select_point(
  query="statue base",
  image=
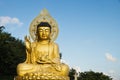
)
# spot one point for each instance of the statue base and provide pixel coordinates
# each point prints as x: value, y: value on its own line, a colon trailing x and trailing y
x: 43, y: 75
x: 42, y: 78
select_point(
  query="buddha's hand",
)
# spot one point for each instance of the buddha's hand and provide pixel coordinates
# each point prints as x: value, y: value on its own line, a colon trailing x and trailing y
x: 27, y: 42
x: 40, y: 61
x: 43, y: 59
x: 56, y: 60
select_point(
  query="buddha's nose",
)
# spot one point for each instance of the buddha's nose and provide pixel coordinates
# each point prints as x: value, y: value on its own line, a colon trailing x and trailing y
x: 43, y: 32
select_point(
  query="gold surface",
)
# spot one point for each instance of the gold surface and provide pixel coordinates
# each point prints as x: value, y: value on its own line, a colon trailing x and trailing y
x: 43, y: 59
x: 44, y: 16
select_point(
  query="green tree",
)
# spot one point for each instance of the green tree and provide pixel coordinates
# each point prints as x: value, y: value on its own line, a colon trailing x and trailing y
x: 60, y: 55
x: 12, y: 52
x: 90, y: 75
x: 72, y: 73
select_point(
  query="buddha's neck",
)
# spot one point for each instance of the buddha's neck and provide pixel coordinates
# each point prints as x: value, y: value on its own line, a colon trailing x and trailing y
x: 44, y: 41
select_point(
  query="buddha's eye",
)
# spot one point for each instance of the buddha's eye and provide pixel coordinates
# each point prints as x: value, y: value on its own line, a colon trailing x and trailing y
x: 40, y: 30
x: 46, y: 30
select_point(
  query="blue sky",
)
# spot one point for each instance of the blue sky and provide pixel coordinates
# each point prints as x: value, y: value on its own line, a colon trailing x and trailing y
x: 89, y: 37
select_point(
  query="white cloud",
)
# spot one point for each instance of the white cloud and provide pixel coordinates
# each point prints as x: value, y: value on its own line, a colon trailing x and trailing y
x: 4, y: 20
x: 110, y: 57
x: 113, y: 75
x: 104, y: 73
x: 111, y: 71
x: 63, y: 61
x: 77, y: 68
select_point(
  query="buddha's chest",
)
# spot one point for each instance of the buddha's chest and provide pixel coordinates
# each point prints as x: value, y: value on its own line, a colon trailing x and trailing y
x: 42, y: 49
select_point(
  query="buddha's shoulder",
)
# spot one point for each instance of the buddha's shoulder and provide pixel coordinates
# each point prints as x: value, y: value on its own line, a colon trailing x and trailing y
x: 33, y: 44
x: 53, y: 44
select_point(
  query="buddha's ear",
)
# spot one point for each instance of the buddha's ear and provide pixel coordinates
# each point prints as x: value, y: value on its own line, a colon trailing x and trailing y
x: 50, y: 30
x: 49, y: 39
x: 36, y: 36
x: 50, y: 36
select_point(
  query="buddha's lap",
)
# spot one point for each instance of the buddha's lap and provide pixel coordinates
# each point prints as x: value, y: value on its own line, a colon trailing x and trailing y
x: 25, y: 66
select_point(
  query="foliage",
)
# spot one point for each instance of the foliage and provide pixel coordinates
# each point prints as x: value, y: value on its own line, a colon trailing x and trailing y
x: 89, y: 75
x: 8, y: 77
x: 72, y: 73
x: 12, y: 52
x: 60, y: 55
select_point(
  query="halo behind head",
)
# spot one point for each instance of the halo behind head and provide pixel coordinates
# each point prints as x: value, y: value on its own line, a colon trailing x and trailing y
x: 44, y: 17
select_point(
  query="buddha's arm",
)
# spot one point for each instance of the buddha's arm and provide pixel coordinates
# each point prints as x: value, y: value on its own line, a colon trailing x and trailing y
x: 28, y: 49
x: 56, y: 55
x: 28, y: 44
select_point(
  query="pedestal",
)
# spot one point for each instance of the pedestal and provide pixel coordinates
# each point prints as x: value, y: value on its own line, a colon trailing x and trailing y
x: 42, y: 78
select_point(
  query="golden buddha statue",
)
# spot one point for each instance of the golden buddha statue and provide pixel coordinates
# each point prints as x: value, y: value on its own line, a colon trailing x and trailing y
x: 43, y: 59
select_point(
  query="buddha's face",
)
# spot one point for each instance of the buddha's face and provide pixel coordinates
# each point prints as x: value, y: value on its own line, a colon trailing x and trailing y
x: 44, y: 33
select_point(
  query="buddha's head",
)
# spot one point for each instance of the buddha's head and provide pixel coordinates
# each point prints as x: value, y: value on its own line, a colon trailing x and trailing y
x: 43, y: 31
